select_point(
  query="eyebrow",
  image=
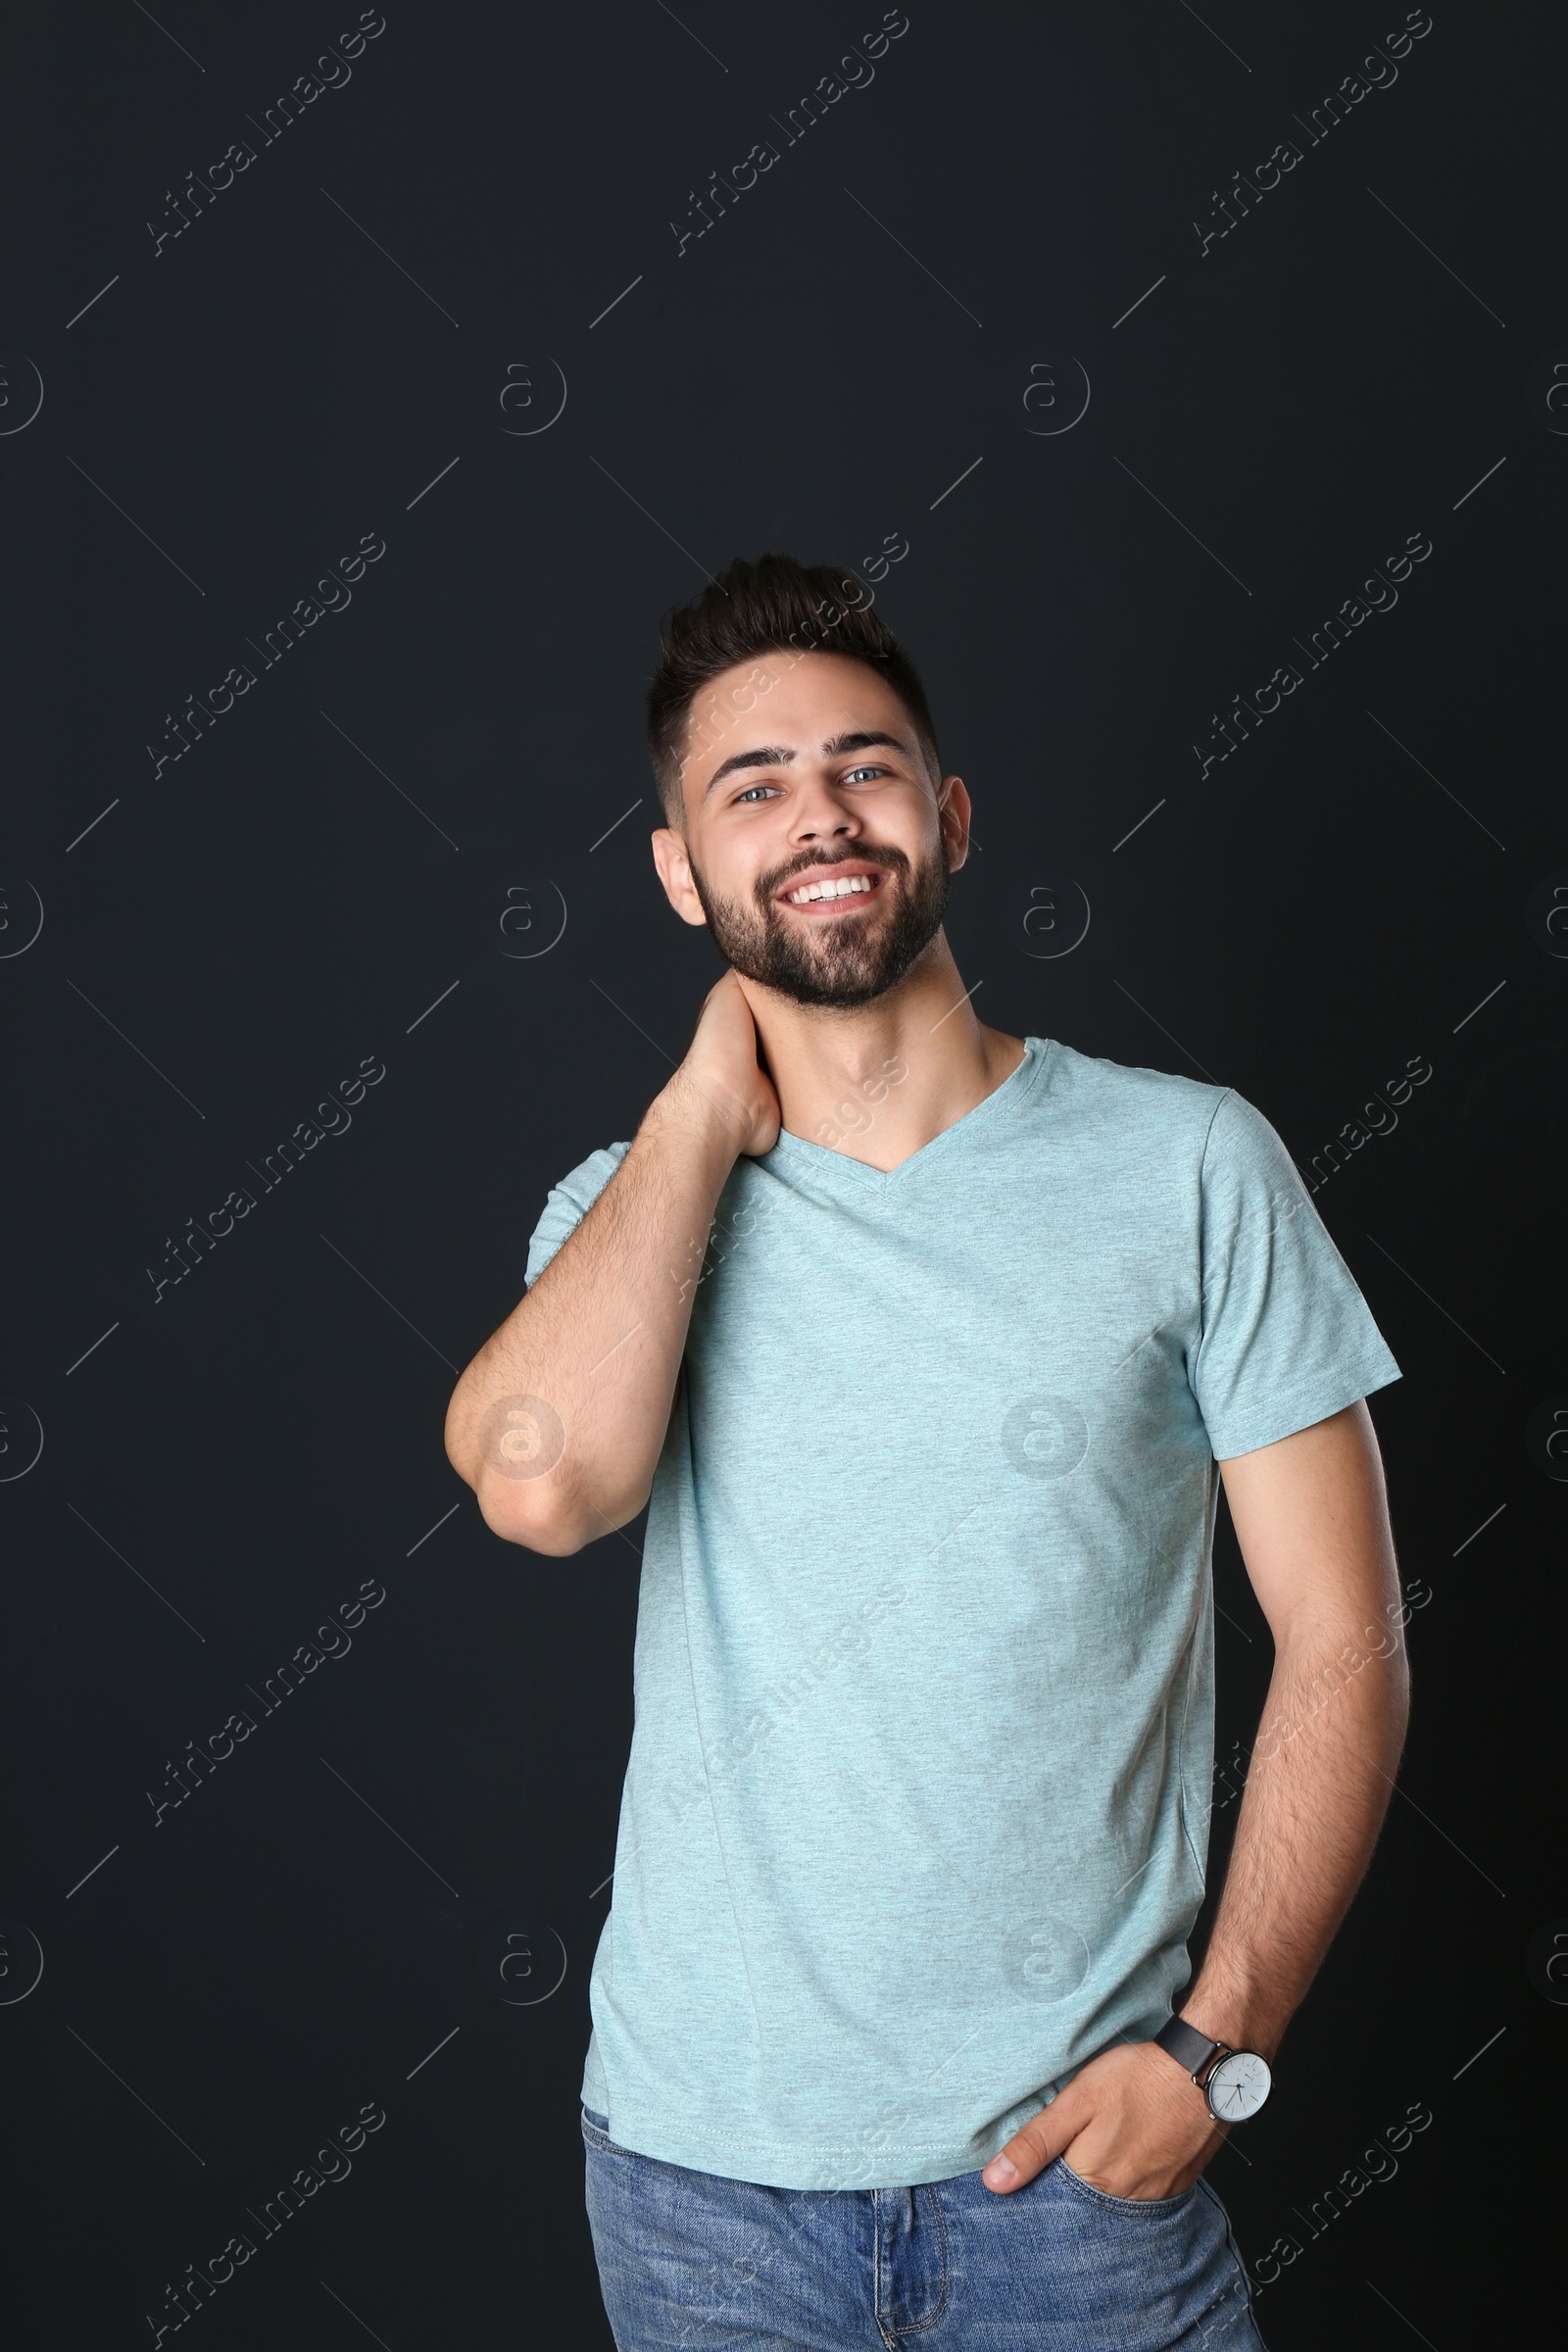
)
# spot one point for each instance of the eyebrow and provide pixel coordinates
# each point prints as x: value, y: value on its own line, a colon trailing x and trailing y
x: 781, y: 755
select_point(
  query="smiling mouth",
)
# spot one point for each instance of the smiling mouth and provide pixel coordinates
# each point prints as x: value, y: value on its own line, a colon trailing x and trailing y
x: 833, y: 894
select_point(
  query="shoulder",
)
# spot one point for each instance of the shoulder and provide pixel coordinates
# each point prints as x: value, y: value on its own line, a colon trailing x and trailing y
x: 1151, y: 1107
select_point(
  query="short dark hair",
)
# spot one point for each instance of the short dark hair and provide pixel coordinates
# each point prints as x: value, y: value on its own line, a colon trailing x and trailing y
x: 775, y: 604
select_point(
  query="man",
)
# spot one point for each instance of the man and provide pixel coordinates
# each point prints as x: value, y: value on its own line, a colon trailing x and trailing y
x: 928, y: 1347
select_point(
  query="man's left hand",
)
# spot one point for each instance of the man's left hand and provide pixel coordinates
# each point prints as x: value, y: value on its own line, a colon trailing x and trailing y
x: 1131, y: 2122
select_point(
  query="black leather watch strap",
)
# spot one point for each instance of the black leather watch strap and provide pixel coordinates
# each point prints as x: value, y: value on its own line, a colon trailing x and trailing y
x: 1184, y: 2042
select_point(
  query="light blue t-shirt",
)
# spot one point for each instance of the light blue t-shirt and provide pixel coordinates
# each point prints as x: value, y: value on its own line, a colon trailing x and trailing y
x: 915, y: 1816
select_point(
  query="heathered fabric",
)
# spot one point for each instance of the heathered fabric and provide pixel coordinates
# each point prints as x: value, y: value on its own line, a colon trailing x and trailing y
x: 915, y: 1816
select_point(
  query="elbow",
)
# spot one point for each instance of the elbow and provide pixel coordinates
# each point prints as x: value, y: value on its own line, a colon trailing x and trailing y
x: 540, y: 1511
x: 1387, y: 1704
x: 457, y: 1436
x: 544, y: 1515
x: 529, y: 1514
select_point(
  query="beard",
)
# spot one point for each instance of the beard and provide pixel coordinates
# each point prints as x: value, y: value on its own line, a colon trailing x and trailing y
x: 839, y: 962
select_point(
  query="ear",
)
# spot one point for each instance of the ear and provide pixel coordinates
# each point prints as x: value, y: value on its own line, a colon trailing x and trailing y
x: 675, y: 873
x: 952, y: 811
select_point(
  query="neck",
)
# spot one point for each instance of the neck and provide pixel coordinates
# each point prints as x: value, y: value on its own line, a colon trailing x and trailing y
x: 879, y: 1081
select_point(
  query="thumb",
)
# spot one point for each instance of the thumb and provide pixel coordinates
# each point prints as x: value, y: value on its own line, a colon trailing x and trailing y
x: 1036, y: 2143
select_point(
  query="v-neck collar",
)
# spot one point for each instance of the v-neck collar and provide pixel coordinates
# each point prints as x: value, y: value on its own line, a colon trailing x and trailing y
x: 822, y: 1160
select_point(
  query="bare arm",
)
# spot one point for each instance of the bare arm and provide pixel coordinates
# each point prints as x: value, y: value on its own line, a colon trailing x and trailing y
x: 558, y: 1422
x: 1311, y: 1519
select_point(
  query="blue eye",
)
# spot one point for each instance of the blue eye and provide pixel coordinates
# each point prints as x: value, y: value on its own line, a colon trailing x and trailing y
x: 753, y: 791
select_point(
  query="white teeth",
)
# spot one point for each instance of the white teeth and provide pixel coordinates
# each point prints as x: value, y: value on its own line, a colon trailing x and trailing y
x: 842, y: 889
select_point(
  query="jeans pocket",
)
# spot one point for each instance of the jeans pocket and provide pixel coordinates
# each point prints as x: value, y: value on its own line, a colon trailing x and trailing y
x: 1148, y: 2207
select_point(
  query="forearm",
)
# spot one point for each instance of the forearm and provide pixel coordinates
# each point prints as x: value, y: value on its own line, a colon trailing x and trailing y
x: 1317, y: 1787
x: 597, y: 1341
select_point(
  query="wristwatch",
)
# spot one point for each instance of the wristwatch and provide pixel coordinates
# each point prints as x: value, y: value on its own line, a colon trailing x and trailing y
x: 1234, y: 2082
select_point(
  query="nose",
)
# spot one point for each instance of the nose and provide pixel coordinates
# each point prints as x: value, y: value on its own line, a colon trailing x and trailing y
x: 820, y: 813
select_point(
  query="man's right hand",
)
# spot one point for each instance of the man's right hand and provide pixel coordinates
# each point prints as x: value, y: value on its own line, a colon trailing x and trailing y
x: 721, y: 1070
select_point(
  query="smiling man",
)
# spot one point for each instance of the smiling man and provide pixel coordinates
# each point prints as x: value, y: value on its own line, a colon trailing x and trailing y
x: 928, y: 1348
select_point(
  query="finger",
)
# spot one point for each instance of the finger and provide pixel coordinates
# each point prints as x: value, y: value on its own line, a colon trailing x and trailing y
x: 1034, y: 2145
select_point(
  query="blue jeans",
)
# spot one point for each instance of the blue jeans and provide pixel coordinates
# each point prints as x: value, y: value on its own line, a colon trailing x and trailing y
x: 692, y: 2262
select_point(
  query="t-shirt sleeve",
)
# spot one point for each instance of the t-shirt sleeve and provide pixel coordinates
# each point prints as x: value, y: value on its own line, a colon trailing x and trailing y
x: 566, y: 1204
x: 1286, y: 1338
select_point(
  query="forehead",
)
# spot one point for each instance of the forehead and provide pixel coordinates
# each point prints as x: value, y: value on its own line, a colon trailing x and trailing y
x: 795, y: 701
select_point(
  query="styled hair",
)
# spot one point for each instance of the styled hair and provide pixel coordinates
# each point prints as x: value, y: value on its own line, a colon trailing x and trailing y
x: 775, y: 606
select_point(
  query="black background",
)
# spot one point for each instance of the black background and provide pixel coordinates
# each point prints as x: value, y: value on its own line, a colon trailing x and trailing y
x: 239, y: 929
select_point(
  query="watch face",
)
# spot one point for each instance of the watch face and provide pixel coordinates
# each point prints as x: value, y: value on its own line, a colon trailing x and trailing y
x: 1237, y: 2087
